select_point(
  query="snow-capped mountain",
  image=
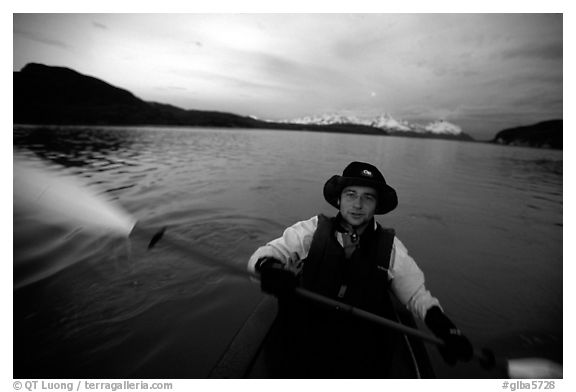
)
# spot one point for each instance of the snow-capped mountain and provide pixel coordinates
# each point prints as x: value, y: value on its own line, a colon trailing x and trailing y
x: 443, y: 127
x: 327, y: 119
x: 384, y: 121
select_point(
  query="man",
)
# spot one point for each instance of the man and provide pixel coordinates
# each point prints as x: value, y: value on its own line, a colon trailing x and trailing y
x: 352, y: 259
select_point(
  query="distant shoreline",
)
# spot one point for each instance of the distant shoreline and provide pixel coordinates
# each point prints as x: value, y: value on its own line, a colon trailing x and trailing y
x: 491, y: 142
x: 297, y: 128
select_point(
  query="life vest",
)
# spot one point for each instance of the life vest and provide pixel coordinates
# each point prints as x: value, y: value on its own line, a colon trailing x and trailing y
x: 361, y: 280
x: 320, y: 342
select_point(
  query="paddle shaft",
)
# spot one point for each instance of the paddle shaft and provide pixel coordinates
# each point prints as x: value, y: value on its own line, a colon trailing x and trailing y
x: 485, y: 357
x: 159, y: 236
x: 353, y: 311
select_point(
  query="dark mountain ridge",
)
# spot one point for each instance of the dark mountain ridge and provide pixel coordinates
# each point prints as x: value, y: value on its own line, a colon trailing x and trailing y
x: 546, y: 134
x: 56, y: 95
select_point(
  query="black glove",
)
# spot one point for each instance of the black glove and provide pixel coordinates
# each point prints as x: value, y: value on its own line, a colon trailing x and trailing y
x: 274, y: 278
x: 457, y: 347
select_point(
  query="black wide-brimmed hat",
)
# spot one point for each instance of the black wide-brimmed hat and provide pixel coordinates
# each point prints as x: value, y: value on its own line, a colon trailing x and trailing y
x: 362, y: 174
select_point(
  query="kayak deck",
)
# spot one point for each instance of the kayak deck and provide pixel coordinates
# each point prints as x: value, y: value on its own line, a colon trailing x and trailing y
x: 243, y: 349
x: 249, y: 355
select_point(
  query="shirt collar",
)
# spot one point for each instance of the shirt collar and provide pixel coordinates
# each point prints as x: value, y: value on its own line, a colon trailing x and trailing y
x: 341, y: 229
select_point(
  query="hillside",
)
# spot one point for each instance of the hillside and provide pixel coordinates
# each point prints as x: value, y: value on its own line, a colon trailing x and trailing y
x: 547, y: 134
x: 55, y: 95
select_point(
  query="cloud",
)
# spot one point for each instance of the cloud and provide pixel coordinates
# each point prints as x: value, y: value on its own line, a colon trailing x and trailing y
x: 262, y: 70
x: 99, y: 25
x: 538, y: 100
x: 41, y: 39
x: 302, y: 74
x: 541, y: 78
x: 222, y: 79
x: 357, y: 49
x: 535, y: 51
x: 170, y: 88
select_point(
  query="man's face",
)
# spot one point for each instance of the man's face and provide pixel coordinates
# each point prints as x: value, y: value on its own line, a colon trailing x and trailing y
x: 358, y: 204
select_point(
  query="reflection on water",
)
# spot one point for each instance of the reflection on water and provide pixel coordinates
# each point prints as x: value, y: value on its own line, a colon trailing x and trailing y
x: 484, y: 222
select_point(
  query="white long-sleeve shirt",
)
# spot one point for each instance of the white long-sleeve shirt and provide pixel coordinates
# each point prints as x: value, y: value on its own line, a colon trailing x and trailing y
x: 406, y: 278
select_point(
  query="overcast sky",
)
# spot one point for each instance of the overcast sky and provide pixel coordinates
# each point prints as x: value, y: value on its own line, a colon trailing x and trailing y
x: 483, y: 72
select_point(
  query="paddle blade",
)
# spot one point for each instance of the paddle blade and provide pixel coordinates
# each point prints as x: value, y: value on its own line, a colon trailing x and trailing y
x: 534, y: 368
x: 65, y: 200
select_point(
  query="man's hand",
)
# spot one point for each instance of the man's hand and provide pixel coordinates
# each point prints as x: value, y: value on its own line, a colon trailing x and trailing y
x: 457, y: 347
x: 274, y: 278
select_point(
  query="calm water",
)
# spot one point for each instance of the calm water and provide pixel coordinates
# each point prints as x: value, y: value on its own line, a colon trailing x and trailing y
x: 484, y: 222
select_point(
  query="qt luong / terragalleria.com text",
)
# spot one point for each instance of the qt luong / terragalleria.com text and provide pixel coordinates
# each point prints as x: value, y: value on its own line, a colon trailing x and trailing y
x: 86, y: 385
